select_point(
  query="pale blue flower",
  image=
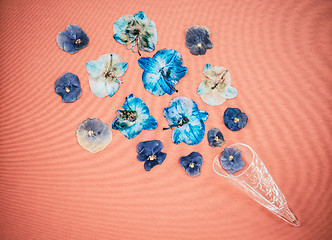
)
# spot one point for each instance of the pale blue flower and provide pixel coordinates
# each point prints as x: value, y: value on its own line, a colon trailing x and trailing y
x: 188, y: 121
x: 134, y: 118
x: 137, y: 29
x: 104, y: 74
x: 217, y: 87
x: 162, y: 72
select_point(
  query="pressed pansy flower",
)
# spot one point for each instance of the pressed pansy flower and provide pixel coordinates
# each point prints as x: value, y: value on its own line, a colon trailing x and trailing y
x: 192, y: 164
x: 198, y: 39
x: 136, y: 30
x: 104, y: 74
x: 216, y: 88
x: 73, y: 39
x: 68, y: 87
x: 94, y: 135
x: 183, y: 115
x: 162, y: 72
x: 134, y: 118
x: 150, y: 153
x: 231, y: 160
x: 234, y: 119
x: 215, y: 137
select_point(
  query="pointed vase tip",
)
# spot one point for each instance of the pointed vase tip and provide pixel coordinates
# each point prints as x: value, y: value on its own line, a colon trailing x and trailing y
x: 288, y: 216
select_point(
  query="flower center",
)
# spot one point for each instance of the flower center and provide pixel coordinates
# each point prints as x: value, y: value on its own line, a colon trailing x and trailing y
x: 236, y: 120
x: 90, y: 133
x: 67, y: 89
x: 129, y: 115
x: 199, y: 45
x: 192, y: 165
x: 78, y: 41
x: 152, y: 157
x: 183, y: 121
x: 230, y: 158
x: 216, y: 138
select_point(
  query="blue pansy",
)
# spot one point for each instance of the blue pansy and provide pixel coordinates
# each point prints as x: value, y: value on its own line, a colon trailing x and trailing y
x: 136, y: 30
x: 231, y: 160
x: 216, y: 88
x: 68, y: 87
x: 104, y: 74
x: 188, y: 122
x: 198, y: 39
x: 192, y: 164
x: 234, y: 119
x: 215, y: 137
x: 73, y: 39
x: 134, y: 118
x: 162, y: 72
x: 150, y: 153
x: 93, y: 135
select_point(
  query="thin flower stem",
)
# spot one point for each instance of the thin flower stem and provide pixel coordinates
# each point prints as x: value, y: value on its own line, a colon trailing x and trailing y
x: 170, y: 86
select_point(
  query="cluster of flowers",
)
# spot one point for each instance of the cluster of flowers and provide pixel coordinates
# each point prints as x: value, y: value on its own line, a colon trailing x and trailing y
x: 160, y: 75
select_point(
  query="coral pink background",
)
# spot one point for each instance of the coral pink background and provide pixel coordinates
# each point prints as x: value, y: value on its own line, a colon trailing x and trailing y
x: 278, y: 54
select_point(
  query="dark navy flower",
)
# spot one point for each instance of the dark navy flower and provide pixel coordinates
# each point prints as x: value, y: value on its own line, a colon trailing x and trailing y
x: 73, y: 39
x: 134, y: 118
x: 234, y: 119
x: 150, y: 153
x: 68, y: 87
x: 216, y: 88
x: 93, y: 135
x: 192, y: 164
x: 183, y: 115
x: 137, y: 29
x: 104, y: 74
x: 198, y: 39
x: 162, y: 72
x: 215, y: 137
x: 231, y: 160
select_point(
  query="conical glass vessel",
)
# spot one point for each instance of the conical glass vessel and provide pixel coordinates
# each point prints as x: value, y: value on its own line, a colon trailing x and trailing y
x: 256, y: 181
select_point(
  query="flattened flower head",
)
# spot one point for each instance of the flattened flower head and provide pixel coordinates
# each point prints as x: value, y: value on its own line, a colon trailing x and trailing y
x: 215, y: 137
x: 231, y: 160
x: 134, y: 118
x: 68, y: 87
x: 192, y: 164
x: 162, y: 72
x: 104, y: 74
x: 234, y: 119
x: 93, y: 135
x: 198, y: 39
x: 150, y: 153
x: 73, y: 39
x: 216, y: 88
x: 183, y: 115
x: 136, y: 30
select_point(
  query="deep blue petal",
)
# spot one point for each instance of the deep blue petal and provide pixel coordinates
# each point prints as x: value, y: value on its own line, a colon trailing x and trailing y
x: 132, y: 131
x: 135, y: 104
x: 160, y: 157
x: 62, y: 38
x: 184, y: 161
x: 140, y: 16
x: 192, y: 133
x: 193, y: 172
x: 167, y: 85
x: 176, y: 72
x: 172, y: 115
x: 196, y: 158
x: 69, y: 47
x: 150, y: 123
x: 197, y: 50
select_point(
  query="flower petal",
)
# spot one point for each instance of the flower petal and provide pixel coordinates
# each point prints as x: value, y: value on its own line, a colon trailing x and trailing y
x: 102, y: 88
x: 160, y: 157
x: 62, y: 38
x: 111, y: 87
x: 196, y: 158
x: 176, y: 72
x: 95, y: 68
x: 192, y: 133
x: 166, y: 57
x: 193, y: 172
x: 151, y: 83
x: 204, y: 87
x: 213, y: 98
x: 140, y: 16
x: 150, y: 123
x: 149, y: 64
x: 110, y: 59
x: 132, y: 131
x: 228, y: 92
x: 197, y: 50
x: 69, y: 47
x: 136, y: 104
x: 172, y: 115
x: 119, y: 68
x: 120, y: 26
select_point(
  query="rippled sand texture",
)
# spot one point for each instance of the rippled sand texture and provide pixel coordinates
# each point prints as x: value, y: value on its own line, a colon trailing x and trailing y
x: 279, y: 57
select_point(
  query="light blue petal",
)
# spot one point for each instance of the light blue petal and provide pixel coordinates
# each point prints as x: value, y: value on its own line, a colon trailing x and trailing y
x: 165, y: 86
x: 192, y: 133
x: 168, y: 57
x: 149, y: 64
x: 207, y: 68
x: 98, y: 86
x: 132, y: 131
x: 137, y: 105
x: 119, y: 69
x: 120, y: 26
x: 120, y: 38
x: 177, y: 72
x: 176, y: 136
x: 172, y: 115
x: 184, y: 106
x: 203, y: 88
x: 229, y: 92
x: 140, y: 16
x: 151, y: 83
x: 95, y: 68
x: 111, y: 87
x: 150, y: 123
x: 203, y: 116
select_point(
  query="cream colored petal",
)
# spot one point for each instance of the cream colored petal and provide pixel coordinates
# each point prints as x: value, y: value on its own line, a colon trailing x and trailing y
x: 213, y: 98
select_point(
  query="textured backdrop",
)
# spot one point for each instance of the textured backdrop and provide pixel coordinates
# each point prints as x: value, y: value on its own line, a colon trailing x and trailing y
x: 279, y: 57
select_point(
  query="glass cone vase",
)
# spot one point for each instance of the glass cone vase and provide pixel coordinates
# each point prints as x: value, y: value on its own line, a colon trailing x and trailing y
x: 257, y: 183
